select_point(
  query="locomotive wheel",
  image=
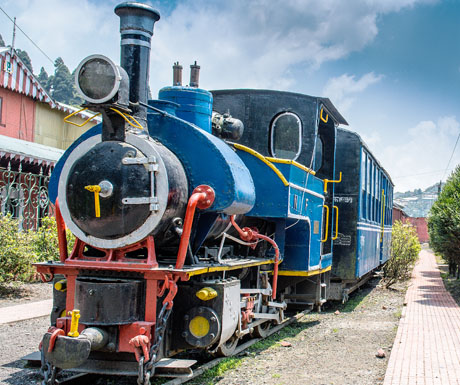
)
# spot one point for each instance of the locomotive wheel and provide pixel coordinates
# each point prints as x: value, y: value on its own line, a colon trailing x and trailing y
x: 228, y: 347
x: 262, y: 330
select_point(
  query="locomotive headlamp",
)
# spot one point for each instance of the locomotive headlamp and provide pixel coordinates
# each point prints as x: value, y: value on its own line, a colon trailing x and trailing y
x: 99, y: 79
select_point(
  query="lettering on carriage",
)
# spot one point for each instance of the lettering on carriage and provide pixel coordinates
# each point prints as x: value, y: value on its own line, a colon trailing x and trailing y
x: 342, y: 240
x: 343, y: 199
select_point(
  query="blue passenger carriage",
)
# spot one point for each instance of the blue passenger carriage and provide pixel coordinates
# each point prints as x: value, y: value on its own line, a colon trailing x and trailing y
x: 364, y: 201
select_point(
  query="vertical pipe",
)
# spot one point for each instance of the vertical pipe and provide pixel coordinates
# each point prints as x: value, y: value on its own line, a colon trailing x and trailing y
x: 136, y: 27
x: 177, y: 74
x: 194, y: 75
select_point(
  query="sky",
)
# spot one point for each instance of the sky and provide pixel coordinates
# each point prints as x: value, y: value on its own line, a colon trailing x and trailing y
x: 391, y: 67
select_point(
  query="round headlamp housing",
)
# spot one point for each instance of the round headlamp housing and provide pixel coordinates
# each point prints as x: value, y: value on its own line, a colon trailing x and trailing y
x: 98, y: 78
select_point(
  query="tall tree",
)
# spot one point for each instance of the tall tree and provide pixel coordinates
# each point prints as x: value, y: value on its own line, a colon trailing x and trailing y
x: 62, y: 84
x: 43, y: 79
x: 2, y: 43
x: 444, y: 221
x: 24, y: 56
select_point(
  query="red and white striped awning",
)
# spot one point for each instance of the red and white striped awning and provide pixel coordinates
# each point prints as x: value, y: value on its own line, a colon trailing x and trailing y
x: 19, y: 78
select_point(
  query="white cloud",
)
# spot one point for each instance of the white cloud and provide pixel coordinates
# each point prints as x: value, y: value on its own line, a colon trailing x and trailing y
x: 343, y: 89
x: 238, y: 43
x: 421, y: 160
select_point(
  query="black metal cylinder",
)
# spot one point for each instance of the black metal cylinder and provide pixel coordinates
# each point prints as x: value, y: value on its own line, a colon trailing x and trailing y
x: 136, y: 27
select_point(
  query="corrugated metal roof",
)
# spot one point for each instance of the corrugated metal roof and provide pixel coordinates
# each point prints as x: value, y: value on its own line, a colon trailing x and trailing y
x: 20, y: 78
x: 28, y: 151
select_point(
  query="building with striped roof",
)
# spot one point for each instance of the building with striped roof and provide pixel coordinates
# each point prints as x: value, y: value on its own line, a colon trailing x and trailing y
x: 33, y: 135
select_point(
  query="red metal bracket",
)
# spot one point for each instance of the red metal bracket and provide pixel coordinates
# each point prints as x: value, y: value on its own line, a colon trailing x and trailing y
x: 247, y: 234
x: 55, y: 332
x: 62, y: 239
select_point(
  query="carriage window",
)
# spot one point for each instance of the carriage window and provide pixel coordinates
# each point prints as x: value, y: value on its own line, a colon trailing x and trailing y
x: 286, y: 134
x: 363, y: 184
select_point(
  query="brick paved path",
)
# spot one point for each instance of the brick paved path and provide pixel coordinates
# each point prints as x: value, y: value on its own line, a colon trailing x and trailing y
x: 427, y: 346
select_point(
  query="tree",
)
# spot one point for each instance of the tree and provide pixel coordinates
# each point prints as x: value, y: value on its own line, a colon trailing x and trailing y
x: 444, y: 221
x: 62, y: 84
x: 404, y: 251
x: 43, y: 79
x: 24, y: 56
x: 2, y: 43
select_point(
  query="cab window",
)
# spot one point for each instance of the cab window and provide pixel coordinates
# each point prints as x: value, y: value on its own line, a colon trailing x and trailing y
x: 286, y: 136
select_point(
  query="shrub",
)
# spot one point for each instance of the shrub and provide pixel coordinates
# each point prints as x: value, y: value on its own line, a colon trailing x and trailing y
x: 16, y: 252
x: 20, y: 249
x: 404, y: 251
x: 45, y: 240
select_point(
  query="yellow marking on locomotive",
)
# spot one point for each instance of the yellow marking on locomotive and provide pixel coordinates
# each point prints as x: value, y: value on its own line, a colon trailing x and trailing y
x: 293, y: 162
x: 292, y: 273
x: 326, y: 181
x: 74, y: 323
x: 61, y: 285
x: 129, y: 119
x: 321, y: 116
x: 199, y: 326
x: 326, y: 228
x: 66, y: 119
x: 263, y: 159
x: 206, y: 293
x: 96, y: 189
x: 213, y: 269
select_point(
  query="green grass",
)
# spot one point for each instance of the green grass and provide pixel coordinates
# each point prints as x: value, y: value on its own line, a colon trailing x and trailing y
x: 357, y: 299
x: 212, y: 375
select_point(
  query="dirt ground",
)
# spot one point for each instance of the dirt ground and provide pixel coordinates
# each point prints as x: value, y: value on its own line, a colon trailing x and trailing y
x: 323, y: 348
x: 16, y: 294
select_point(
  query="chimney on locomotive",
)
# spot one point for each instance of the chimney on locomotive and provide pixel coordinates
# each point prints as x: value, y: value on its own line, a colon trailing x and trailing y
x: 136, y: 27
x: 118, y: 91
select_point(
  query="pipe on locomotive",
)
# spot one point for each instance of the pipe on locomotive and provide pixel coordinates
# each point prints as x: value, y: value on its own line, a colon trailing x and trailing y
x: 136, y: 28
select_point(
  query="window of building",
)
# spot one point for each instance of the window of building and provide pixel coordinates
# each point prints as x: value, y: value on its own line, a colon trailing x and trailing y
x: 286, y: 136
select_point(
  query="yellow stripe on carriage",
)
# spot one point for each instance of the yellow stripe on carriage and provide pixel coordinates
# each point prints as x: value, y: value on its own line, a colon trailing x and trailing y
x: 263, y: 159
x: 293, y: 273
x: 293, y: 162
x: 213, y: 269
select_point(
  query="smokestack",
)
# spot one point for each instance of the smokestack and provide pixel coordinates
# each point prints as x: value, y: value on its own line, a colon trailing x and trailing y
x: 177, y: 74
x: 194, y: 75
x: 136, y: 28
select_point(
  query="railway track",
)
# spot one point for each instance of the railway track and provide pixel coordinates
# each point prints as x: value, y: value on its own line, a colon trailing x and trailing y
x: 90, y: 379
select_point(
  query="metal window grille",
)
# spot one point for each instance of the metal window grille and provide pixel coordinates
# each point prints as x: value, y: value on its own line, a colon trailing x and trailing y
x: 24, y: 196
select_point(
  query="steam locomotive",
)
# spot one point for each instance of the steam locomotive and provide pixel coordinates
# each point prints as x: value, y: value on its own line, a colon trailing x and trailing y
x: 199, y: 217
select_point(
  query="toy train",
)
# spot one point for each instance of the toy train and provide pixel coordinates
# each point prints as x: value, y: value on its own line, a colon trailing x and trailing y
x: 199, y: 217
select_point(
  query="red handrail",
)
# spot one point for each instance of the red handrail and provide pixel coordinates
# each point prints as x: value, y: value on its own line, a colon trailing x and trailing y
x: 203, y: 197
x: 62, y: 240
